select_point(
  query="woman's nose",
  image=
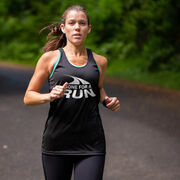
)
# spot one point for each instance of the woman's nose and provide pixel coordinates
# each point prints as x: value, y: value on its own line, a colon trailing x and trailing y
x: 77, y: 26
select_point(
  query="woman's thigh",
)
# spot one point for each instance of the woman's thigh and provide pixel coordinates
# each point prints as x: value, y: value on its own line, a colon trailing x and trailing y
x: 57, y: 167
x: 89, y: 167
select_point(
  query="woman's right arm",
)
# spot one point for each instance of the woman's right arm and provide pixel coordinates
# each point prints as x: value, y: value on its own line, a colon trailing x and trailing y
x: 41, y: 74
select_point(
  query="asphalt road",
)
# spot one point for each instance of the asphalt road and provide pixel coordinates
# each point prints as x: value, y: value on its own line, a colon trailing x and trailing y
x: 143, y: 138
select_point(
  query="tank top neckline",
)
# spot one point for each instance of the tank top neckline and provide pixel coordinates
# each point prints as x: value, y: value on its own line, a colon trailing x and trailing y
x: 84, y: 65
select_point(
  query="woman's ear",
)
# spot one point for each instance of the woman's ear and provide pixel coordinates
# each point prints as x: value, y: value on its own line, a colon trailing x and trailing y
x: 62, y: 28
x: 89, y: 28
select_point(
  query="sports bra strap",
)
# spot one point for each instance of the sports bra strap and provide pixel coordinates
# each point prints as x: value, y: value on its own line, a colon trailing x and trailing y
x: 54, y: 67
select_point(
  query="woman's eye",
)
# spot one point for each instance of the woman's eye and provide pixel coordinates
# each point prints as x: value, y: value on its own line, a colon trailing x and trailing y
x: 71, y: 23
x: 80, y: 23
x: 83, y: 23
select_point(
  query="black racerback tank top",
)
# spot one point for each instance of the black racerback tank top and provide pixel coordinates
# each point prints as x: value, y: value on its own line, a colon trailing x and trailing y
x: 74, y: 125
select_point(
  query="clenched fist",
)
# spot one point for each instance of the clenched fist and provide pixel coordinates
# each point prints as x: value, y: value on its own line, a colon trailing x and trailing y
x: 58, y: 91
x: 112, y: 103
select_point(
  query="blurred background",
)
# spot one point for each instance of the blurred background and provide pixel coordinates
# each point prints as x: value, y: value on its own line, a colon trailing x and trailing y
x: 140, y: 38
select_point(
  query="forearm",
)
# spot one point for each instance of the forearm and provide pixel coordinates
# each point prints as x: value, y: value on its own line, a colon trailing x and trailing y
x: 102, y: 95
x: 36, y: 98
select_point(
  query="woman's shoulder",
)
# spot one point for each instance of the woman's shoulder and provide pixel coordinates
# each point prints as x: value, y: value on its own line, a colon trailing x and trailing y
x: 49, y: 58
x: 101, y: 60
x: 50, y: 55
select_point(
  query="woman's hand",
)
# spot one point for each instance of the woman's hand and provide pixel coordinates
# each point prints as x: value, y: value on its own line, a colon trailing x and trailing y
x: 58, y: 91
x: 112, y: 103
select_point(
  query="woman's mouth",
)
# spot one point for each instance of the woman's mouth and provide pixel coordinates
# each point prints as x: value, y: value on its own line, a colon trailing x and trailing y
x: 76, y: 35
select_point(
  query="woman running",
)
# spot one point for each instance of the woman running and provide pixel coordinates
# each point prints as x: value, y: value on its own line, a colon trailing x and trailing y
x: 73, y: 137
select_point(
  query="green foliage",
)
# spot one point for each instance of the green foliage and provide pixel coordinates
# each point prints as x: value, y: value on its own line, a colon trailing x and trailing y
x: 140, y: 34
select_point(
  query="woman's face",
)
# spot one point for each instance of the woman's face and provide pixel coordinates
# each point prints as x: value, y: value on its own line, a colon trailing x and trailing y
x: 76, y: 27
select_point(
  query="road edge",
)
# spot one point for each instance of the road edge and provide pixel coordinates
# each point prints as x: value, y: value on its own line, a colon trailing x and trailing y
x: 110, y: 81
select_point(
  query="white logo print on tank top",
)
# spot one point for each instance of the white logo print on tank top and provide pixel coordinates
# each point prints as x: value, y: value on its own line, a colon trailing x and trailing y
x: 79, y: 88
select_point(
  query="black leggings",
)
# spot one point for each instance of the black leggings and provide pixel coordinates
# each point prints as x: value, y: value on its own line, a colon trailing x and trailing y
x: 86, y: 167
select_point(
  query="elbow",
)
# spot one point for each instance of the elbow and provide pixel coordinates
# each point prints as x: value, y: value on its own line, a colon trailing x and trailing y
x: 25, y: 101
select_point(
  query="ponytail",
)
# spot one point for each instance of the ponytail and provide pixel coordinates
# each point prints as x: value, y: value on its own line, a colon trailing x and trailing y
x: 56, y: 38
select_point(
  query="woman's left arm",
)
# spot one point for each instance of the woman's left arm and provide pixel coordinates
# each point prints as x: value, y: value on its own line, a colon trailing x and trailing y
x: 110, y: 102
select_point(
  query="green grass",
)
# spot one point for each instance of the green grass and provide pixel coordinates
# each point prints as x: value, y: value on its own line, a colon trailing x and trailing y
x: 133, y: 70
x: 20, y: 62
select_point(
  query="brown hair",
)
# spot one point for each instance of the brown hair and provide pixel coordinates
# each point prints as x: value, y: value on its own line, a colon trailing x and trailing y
x: 60, y: 38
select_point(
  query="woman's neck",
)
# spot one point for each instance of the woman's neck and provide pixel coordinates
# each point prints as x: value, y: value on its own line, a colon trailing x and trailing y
x: 73, y: 50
